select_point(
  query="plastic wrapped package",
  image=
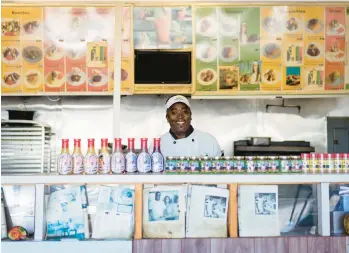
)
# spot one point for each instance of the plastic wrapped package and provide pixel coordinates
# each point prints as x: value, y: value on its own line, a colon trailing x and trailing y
x: 3, y: 217
x: 20, y: 205
x: 64, y: 214
x: 339, y: 207
x: 114, y: 216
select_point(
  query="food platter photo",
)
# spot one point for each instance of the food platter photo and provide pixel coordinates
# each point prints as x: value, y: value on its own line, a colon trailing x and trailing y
x: 272, y: 25
x: 32, y: 54
x: 32, y: 79
x: 293, y: 25
x: 271, y: 50
x: 335, y: 55
x: 54, y: 53
x: 314, y: 26
x: 10, y: 55
x: 335, y: 28
x: 228, y: 53
x: 97, y: 79
x: 31, y: 27
x: 314, y: 50
x: 271, y: 76
x: 206, y: 52
x: 76, y: 77
x: 207, y: 76
x: 207, y: 26
x: 335, y: 78
x: 10, y: 27
x: 11, y: 79
x: 228, y: 26
x: 54, y: 79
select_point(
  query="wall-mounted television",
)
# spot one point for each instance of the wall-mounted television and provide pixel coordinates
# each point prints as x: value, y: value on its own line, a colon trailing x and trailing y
x: 162, y: 67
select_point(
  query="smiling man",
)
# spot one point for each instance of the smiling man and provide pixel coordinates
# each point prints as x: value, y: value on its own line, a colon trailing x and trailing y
x: 183, y: 139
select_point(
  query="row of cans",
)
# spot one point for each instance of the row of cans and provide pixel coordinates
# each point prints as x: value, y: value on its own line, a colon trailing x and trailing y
x: 306, y: 163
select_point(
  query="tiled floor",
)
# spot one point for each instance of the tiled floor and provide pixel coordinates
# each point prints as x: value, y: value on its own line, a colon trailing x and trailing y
x: 243, y: 245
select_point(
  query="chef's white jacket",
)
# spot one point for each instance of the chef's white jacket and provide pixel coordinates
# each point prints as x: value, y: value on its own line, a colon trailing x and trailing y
x: 197, y: 144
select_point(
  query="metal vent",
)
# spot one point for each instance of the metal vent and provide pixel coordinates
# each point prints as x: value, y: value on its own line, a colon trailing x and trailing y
x: 25, y: 147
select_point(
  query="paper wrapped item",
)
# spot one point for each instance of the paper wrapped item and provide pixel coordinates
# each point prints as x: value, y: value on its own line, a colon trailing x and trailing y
x: 207, y: 211
x: 164, y: 210
x: 114, y: 218
x: 258, y: 210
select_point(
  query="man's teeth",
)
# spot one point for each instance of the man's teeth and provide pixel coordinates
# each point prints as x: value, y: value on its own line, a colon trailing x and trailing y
x: 181, y: 123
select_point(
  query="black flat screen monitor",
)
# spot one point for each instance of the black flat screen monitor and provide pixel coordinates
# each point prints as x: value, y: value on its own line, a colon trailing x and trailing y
x: 162, y: 67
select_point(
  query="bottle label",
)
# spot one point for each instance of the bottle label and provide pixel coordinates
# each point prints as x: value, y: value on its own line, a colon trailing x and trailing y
x: 157, y: 161
x: 64, y: 164
x: 104, y: 163
x: 131, y: 162
x: 78, y: 165
x: 118, y: 163
x: 144, y: 162
x: 91, y: 164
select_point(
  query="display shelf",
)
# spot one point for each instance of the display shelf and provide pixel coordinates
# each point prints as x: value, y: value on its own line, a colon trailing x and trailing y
x: 175, y: 178
x: 90, y: 246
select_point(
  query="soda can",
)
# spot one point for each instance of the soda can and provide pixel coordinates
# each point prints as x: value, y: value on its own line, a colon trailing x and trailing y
x: 314, y: 163
x: 338, y: 163
x: 273, y: 164
x: 250, y: 164
x: 206, y: 165
x: 228, y: 164
x: 284, y: 164
x: 346, y: 163
x: 183, y: 164
x: 322, y: 161
x: 218, y: 164
x: 170, y: 164
x: 239, y: 164
x: 194, y: 164
x: 330, y: 163
x: 305, y: 162
x: 295, y: 164
x: 262, y: 164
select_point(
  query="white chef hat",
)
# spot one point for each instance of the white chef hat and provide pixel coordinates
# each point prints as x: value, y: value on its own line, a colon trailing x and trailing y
x: 177, y: 99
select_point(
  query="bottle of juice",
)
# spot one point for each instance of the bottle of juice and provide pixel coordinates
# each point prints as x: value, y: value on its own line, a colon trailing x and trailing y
x: 78, y: 158
x: 157, y: 159
x: 91, y: 159
x: 131, y: 157
x: 65, y: 161
x: 104, y: 158
x: 118, y: 158
x: 143, y: 159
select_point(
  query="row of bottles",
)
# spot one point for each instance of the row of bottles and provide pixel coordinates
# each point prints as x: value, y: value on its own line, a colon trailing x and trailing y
x: 104, y: 163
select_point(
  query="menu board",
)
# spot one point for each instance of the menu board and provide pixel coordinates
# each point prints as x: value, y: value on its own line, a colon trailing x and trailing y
x: 270, y: 49
x: 347, y: 57
x: 162, y: 28
x: 59, y: 49
x: 126, y: 54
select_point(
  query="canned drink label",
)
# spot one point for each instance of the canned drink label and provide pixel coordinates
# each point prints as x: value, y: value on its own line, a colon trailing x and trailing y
x: 273, y: 165
x: 170, y: 166
x: 183, y: 165
x: 284, y: 166
x: 251, y: 166
x: 194, y: 166
x: 346, y: 163
x: 239, y: 165
x: 206, y: 166
x: 229, y: 165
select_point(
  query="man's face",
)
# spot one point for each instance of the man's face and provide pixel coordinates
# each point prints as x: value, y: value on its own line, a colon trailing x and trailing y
x: 179, y: 118
x: 157, y: 196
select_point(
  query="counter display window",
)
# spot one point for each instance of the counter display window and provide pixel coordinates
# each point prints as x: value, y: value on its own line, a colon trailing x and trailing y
x: 339, y: 207
x: 279, y: 210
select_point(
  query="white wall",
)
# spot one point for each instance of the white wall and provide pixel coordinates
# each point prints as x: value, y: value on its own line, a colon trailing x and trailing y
x: 144, y: 116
